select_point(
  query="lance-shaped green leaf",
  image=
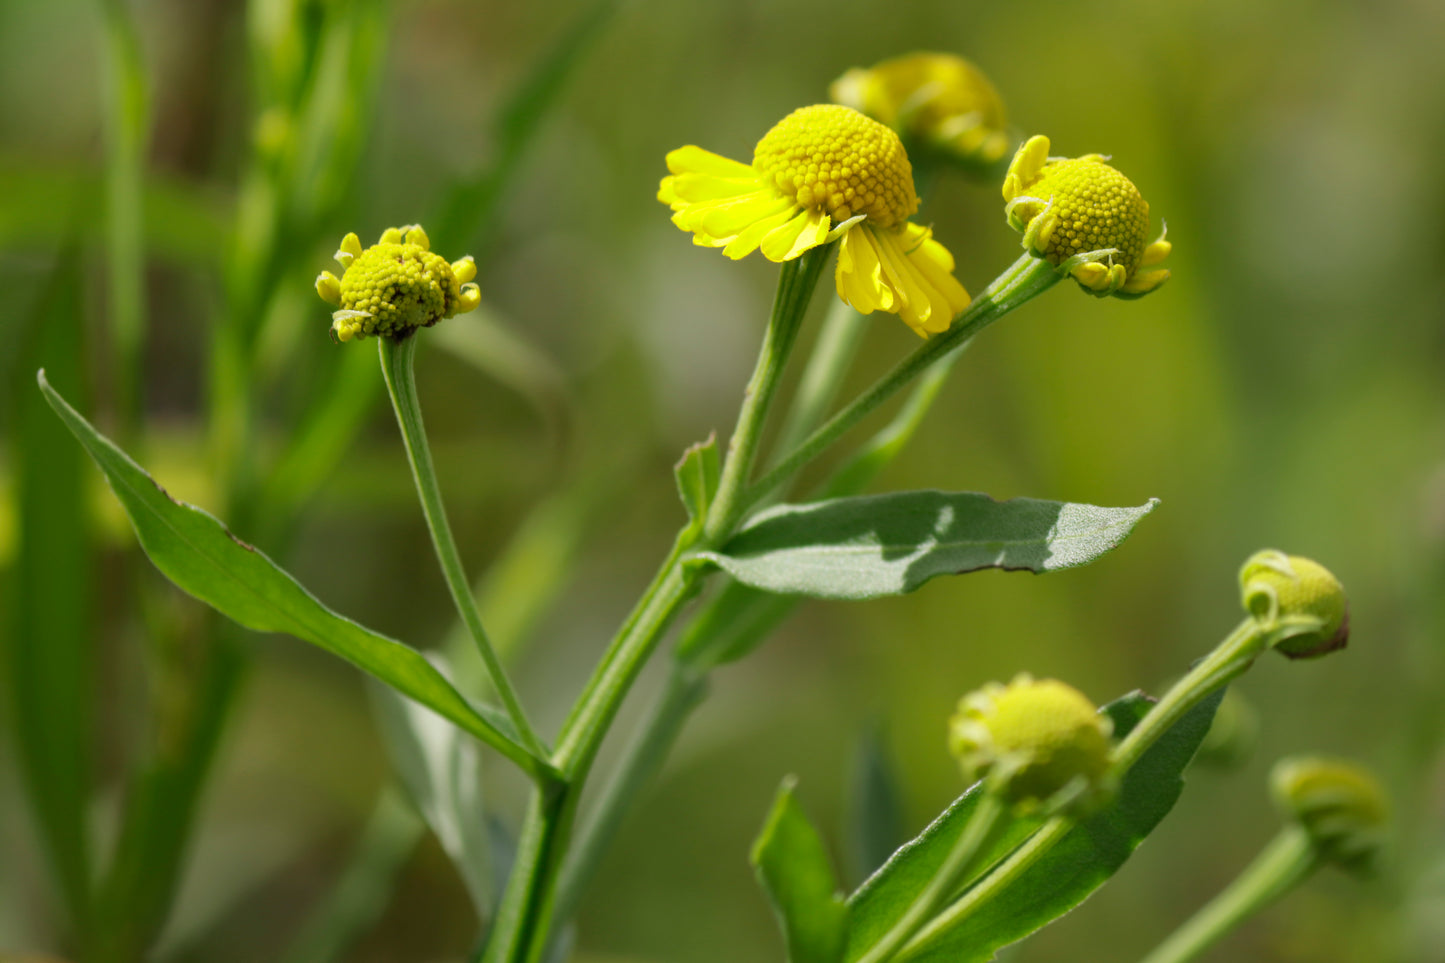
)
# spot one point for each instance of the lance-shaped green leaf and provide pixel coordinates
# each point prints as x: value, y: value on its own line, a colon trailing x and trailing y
x: 198, y: 554
x: 1062, y: 878
x: 792, y: 866
x: 875, y: 545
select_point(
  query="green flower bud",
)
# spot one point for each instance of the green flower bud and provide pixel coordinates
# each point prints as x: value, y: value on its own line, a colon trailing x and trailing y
x: 395, y: 286
x: 1298, y: 598
x: 1036, y: 743
x: 1338, y: 803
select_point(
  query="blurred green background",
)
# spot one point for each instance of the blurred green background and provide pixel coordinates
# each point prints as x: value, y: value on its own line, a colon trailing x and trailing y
x: 1285, y: 389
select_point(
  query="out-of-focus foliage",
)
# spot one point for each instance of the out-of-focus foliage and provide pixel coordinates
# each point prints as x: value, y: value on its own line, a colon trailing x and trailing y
x: 1285, y: 388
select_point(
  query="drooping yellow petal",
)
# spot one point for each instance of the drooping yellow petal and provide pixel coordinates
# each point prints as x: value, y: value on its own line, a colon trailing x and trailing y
x: 805, y: 231
x: 930, y: 296
x: 859, y: 275
x: 695, y: 188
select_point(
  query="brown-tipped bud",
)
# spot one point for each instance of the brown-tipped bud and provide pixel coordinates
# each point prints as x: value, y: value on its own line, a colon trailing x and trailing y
x: 1297, y: 598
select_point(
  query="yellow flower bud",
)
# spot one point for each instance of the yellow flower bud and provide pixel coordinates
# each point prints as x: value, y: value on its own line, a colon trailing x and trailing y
x: 1298, y: 597
x: 1086, y: 218
x: 1338, y: 803
x: 934, y: 99
x: 1036, y: 743
x: 395, y: 286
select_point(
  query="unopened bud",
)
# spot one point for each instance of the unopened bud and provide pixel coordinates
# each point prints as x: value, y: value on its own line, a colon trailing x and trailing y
x: 1297, y: 598
x: 1038, y: 744
x: 1338, y: 803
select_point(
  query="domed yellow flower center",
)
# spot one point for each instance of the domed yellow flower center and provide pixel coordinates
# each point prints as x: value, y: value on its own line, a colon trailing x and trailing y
x: 395, y: 286
x: 835, y: 160
x: 403, y: 286
x: 1096, y: 207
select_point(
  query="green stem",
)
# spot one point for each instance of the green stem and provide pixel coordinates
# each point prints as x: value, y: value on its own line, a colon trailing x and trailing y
x: 1283, y: 864
x: 823, y: 375
x: 995, y: 882
x: 1230, y: 659
x: 528, y: 906
x: 397, y: 368
x: 1024, y: 279
x: 796, y: 282
x: 983, y: 825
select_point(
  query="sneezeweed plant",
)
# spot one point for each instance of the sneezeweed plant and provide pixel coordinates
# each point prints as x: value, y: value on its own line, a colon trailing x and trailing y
x: 1062, y: 791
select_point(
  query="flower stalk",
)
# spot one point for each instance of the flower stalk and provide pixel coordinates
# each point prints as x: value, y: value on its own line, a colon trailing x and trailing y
x: 397, y: 368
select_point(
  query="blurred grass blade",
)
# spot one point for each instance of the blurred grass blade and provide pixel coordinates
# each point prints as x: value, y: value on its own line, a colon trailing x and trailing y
x: 482, y: 341
x: 442, y: 774
x: 870, y: 546
x: 468, y: 215
x: 50, y: 637
x: 327, y: 430
x: 792, y: 865
x: 181, y: 222
x: 127, y: 135
x: 876, y: 827
x: 358, y: 899
x: 1062, y: 878
x: 198, y: 554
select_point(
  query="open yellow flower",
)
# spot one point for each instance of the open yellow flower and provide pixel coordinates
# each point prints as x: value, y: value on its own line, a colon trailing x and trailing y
x: 940, y: 99
x: 1086, y: 218
x: 821, y: 173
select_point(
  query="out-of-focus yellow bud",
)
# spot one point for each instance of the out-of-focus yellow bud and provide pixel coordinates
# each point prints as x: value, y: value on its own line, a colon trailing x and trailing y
x: 937, y: 100
x: 1300, y: 599
x: 1340, y: 805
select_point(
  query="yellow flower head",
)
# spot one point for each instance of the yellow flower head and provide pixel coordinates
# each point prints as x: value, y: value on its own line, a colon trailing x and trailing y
x: 1299, y: 597
x: 821, y: 173
x: 395, y: 286
x: 1338, y: 803
x: 936, y: 99
x: 1086, y: 218
x: 1036, y: 742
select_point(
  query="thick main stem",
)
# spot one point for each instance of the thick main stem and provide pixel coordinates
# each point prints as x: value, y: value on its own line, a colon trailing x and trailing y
x: 1284, y: 863
x: 523, y: 926
x: 397, y: 368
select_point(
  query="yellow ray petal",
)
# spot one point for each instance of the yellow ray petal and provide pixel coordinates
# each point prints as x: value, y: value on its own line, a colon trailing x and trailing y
x: 693, y: 159
x: 806, y: 230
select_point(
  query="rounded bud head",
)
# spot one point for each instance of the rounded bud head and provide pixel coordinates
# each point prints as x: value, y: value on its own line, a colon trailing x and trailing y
x: 1338, y: 803
x: 395, y: 286
x: 1036, y: 743
x: 1298, y: 597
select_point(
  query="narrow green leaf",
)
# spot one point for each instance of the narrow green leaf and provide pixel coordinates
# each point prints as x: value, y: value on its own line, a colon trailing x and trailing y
x: 697, y: 478
x: 792, y: 866
x: 1063, y: 878
x: 876, y: 545
x: 876, y: 827
x: 442, y: 774
x: 48, y: 669
x: 198, y: 554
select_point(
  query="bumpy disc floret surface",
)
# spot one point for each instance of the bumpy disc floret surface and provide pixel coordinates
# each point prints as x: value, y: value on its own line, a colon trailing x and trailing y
x: 402, y: 287
x: 833, y: 159
x: 1096, y: 206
